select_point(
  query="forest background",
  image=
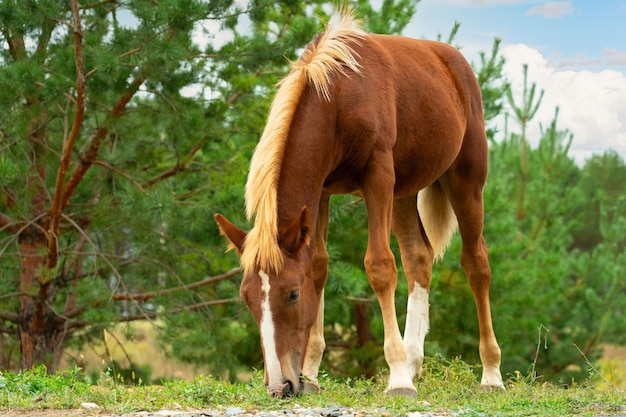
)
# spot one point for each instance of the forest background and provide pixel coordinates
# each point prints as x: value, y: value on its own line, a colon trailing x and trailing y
x: 121, y: 135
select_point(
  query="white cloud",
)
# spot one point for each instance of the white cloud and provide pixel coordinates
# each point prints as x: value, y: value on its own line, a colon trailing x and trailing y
x: 575, y: 61
x: 608, y: 58
x: 614, y: 57
x: 552, y: 9
x: 592, y: 104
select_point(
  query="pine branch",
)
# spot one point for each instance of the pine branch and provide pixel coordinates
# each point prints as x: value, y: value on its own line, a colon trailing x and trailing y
x: 70, y: 272
x: 98, y: 137
x: 96, y: 140
x: 97, y: 4
x: 120, y: 173
x: 8, y: 330
x: 9, y: 315
x: 68, y: 145
x: 180, y: 166
x: 7, y: 223
x: 21, y: 228
x: 17, y: 48
x: 205, y: 304
x: 153, y: 315
x: 149, y: 295
x: 98, y: 253
x: 75, y: 312
x: 45, y: 36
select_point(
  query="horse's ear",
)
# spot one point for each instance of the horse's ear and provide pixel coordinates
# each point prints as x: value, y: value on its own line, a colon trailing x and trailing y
x: 235, y: 235
x: 298, y: 234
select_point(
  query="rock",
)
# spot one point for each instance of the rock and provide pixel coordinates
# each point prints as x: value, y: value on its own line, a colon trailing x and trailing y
x: 233, y: 411
x: 89, y: 406
x: 331, y: 411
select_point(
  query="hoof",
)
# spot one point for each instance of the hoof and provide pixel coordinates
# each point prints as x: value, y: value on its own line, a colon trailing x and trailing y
x: 310, y: 387
x: 278, y: 390
x: 405, y: 392
x: 283, y: 390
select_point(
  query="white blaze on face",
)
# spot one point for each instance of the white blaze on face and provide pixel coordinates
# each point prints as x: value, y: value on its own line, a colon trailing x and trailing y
x: 272, y: 364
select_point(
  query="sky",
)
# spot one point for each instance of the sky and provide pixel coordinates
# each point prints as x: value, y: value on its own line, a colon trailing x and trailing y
x: 575, y: 51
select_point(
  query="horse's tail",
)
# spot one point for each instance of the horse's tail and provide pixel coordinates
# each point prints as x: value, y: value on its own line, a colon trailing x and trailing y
x: 437, y: 217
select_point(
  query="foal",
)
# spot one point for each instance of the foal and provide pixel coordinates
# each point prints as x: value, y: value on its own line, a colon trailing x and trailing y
x: 385, y: 118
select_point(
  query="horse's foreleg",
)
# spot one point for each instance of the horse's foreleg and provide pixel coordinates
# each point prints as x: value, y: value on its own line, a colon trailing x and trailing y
x: 381, y: 269
x: 314, y: 351
x: 319, y: 273
x: 417, y: 260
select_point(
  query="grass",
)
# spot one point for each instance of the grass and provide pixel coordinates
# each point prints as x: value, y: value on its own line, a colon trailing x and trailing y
x: 447, y: 386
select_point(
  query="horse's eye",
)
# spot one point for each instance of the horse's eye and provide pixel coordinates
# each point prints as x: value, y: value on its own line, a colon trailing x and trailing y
x: 294, y: 295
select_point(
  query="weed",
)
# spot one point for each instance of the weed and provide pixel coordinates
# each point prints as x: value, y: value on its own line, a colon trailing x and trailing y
x: 446, y: 386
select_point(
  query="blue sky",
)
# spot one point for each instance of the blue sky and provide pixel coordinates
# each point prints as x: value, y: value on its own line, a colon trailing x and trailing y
x: 581, y: 32
x: 575, y: 51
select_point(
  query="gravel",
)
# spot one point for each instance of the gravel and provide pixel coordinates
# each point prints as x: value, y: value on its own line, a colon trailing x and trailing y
x: 296, y: 411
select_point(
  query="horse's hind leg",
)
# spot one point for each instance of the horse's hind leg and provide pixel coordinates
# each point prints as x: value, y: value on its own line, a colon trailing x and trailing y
x: 464, y: 186
x: 417, y: 260
x: 319, y: 272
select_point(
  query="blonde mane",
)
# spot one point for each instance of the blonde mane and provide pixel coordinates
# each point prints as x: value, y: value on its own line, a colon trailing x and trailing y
x: 318, y: 63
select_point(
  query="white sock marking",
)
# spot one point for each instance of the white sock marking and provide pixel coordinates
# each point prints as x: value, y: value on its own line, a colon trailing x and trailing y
x: 417, y: 325
x: 272, y: 364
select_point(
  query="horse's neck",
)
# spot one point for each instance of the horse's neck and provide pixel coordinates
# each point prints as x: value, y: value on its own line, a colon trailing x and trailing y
x: 306, y: 165
x: 298, y: 189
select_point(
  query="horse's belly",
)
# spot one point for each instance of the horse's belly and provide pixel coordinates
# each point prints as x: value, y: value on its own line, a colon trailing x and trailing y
x: 340, y: 182
x: 418, y: 169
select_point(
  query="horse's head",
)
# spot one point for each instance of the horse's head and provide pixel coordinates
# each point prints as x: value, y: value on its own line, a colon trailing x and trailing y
x: 283, y: 303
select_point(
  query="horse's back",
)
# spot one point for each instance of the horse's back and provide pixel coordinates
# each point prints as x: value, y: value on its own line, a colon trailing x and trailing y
x: 424, y: 96
x: 422, y: 64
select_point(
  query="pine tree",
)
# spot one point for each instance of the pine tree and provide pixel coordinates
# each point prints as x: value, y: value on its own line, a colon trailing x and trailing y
x: 524, y: 114
x: 124, y: 126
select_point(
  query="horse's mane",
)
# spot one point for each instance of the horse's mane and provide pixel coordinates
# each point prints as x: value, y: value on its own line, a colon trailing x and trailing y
x: 328, y: 54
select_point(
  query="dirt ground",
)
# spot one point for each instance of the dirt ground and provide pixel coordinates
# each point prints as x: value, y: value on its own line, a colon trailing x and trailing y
x: 93, y: 413
x: 50, y: 413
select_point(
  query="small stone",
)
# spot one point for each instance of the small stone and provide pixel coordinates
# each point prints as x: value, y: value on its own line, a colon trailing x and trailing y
x: 233, y: 411
x: 164, y: 413
x: 90, y: 406
x: 331, y: 411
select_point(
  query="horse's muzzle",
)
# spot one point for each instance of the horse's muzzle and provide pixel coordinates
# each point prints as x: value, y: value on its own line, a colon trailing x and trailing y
x: 286, y: 389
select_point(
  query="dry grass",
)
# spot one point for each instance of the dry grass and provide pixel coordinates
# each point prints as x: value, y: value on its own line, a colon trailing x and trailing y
x: 142, y: 350
x: 613, y: 365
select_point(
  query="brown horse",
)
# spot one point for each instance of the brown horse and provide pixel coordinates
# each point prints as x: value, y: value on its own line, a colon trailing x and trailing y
x: 382, y: 117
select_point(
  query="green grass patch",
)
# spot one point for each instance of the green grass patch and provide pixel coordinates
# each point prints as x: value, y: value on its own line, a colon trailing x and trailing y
x: 446, y: 386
